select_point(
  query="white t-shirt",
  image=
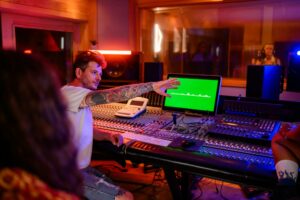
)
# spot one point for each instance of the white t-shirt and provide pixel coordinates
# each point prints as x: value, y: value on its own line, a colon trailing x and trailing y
x: 82, y: 121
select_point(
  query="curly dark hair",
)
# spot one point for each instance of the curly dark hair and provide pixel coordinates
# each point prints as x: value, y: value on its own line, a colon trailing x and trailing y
x: 84, y: 57
x: 34, y: 128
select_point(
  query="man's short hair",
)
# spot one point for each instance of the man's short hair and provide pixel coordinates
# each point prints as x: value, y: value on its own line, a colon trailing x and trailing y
x: 83, y: 58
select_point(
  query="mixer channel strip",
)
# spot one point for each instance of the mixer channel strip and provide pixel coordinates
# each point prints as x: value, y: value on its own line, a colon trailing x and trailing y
x: 238, y: 155
x: 245, y: 128
x: 146, y: 139
x: 238, y: 146
x: 119, y: 127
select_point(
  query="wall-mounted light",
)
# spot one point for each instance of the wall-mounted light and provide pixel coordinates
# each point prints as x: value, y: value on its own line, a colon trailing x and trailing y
x: 180, y: 41
x: 157, y: 38
x: 177, y: 40
x: 27, y: 51
x: 114, y: 52
x: 62, y: 43
x: 184, y: 42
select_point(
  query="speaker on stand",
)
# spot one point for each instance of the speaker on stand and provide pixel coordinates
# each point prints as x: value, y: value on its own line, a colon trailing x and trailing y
x: 264, y: 81
x: 121, y: 70
x: 293, y: 74
x: 153, y: 71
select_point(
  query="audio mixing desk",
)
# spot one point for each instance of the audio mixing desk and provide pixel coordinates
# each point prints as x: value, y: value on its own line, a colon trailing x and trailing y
x: 226, y: 147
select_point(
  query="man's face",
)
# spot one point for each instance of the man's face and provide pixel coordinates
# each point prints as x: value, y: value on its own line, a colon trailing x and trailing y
x: 91, y: 76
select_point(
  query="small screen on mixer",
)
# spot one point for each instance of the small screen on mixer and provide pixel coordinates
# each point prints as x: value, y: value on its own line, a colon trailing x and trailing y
x: 196, y: 93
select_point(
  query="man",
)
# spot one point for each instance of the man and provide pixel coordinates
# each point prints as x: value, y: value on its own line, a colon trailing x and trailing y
x: 82, y: 93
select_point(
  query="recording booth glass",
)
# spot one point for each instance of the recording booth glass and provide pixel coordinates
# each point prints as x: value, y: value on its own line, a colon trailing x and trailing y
x: 196, y: 94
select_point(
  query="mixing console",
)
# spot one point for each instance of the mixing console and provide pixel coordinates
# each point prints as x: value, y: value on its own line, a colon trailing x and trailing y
x: 215, y: 144
x: 231, y: 137
x: 152, y: 120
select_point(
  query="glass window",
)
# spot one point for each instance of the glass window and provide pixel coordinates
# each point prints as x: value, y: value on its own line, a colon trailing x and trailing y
x: 219, y: 38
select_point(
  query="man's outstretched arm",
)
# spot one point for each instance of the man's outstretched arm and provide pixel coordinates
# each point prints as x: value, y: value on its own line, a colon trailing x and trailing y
x: 123, y: 93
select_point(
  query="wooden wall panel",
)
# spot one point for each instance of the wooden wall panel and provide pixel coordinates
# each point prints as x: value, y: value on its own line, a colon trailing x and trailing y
x: 36, y: 14
x: 75, y: 9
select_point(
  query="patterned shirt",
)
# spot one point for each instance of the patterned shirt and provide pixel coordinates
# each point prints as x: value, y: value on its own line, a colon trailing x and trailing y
x: 21, y: 185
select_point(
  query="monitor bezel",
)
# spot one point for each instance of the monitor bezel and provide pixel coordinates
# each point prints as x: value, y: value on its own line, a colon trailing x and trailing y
x: 195, y: 76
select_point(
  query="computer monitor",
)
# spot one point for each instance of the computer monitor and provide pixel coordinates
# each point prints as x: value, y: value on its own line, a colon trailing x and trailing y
x: 196, y: 94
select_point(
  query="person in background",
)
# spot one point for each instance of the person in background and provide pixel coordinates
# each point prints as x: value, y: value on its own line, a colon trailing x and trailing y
x: 266, y: 56
x: 37, y: 155
x: 286, y: 152
x: 81, y: 93
x: 202, y: 59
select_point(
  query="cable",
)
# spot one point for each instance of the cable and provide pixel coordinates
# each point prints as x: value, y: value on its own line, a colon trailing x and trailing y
x: 221, y: 193
x: 198, y: 187
x: 220, y: 190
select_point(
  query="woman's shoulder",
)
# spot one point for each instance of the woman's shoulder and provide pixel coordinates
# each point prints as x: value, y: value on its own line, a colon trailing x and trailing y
x: 15, y: 182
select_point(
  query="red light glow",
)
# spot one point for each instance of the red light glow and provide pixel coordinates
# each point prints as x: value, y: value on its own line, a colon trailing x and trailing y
x: 27, y: 51
x: 114, y: 52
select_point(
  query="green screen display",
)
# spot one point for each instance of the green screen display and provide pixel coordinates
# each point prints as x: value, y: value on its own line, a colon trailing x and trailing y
x: 198, y: 93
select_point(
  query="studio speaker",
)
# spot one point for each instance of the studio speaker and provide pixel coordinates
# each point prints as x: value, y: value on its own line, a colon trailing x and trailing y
x: 293, y: 74
x: 264, y: 81
x: 153, y: 71
x: 122, y: 67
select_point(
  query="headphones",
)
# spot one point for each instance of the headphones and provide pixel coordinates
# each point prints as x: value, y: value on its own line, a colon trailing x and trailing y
x: 263, y: 53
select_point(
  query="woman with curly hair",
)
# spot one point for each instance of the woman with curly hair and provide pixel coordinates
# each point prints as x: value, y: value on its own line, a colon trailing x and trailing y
x: 37, y: 156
